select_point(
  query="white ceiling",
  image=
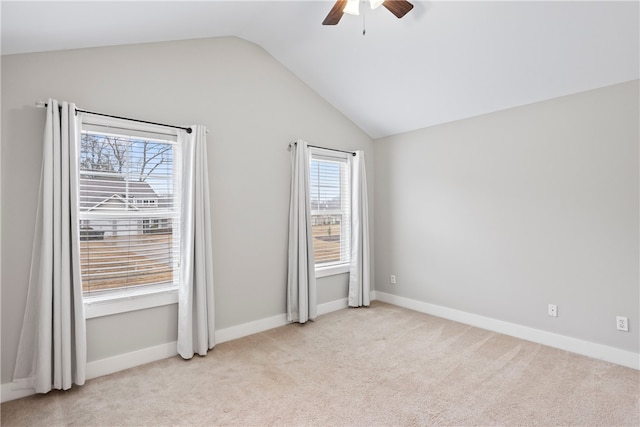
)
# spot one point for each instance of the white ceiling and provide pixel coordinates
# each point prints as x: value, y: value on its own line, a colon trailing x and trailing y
x: 444, y: 61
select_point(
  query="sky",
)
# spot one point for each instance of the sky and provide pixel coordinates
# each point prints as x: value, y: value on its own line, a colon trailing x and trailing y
x: 324, y: 181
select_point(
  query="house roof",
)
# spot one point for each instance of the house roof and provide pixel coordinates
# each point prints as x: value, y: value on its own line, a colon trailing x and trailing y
x: 108, y: 203
x: 444, y: 61
x: 95, y: 191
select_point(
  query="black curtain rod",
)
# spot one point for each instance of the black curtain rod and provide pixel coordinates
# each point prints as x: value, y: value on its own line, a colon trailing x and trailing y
x: 330, y: 149
x: 127, y: 118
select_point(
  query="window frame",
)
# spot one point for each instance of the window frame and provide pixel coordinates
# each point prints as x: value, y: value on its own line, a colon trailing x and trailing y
x: 132, y: 299
x: 342, y: 266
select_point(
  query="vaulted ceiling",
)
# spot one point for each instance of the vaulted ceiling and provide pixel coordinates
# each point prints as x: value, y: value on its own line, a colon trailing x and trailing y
x: 444, y: 61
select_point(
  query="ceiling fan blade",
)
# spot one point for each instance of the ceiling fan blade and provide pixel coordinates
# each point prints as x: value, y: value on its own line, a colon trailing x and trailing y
x: 335, y: 14
x: 398, y: 7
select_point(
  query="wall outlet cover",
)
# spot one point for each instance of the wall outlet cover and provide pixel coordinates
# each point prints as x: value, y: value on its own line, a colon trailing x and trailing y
x: 622, y: 323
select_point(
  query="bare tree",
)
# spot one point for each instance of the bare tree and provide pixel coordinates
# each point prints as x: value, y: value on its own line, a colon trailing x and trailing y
x: 134, y: 157
x: 95, y: 155
x: 118, y: 148
x: 153, y: 155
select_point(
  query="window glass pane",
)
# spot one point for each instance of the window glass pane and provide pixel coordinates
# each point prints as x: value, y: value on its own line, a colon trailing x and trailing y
x: 325, y: 185
x: 330, y: 210
x: 129, y: 219
x: 327, y: 233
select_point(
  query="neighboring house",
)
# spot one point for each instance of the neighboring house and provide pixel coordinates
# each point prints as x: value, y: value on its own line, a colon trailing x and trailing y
x: 326, y: 212
x: 102, y: 199
x: 325, y: 219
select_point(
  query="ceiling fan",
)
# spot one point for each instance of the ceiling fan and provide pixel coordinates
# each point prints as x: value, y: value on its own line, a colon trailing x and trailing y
x: 398, y: 7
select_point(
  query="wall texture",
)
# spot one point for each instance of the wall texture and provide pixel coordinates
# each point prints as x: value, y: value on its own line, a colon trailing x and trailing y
x: 502, y: 214
x: 253, y: 107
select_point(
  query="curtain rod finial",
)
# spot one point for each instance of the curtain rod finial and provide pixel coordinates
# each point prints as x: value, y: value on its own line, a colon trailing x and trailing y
x: 41, y: 104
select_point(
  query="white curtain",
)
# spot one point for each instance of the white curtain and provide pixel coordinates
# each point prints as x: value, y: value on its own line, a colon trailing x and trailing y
x: 359, y: 270
x: 52, y: 347
x: 301, y: 280
x: 196, y: 315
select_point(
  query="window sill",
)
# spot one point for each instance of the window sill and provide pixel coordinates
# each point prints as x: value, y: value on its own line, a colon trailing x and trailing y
x: 331, y: 270
x: 106, y: 306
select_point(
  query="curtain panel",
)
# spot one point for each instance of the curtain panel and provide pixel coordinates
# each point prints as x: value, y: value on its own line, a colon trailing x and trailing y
x: 196, y: 313
x: 52, y: 346
x: 301, y: 277
x: 359, y: 269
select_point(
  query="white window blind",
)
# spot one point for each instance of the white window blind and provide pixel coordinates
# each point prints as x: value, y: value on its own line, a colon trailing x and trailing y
x: 129, y: 211
x: 330, y: 207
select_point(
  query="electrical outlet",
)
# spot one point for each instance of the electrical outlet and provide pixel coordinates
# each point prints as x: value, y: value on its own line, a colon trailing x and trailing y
x: 393, y: 279
x: 553, y: 310
x: 622, y: 323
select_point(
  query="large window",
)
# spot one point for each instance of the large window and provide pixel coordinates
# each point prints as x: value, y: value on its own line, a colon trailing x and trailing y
x: 128, y: 212
x: 330, y: 208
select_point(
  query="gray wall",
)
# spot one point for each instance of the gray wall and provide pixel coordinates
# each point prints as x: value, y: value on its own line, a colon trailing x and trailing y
x: 501, y: 214
x: 253, y: 108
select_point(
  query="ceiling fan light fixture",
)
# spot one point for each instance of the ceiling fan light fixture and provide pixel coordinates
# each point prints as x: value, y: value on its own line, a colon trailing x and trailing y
x: 398, y: 7
x: 352, y: 7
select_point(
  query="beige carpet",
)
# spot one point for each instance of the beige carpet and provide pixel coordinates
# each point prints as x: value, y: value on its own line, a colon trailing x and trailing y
x: 381, y: 365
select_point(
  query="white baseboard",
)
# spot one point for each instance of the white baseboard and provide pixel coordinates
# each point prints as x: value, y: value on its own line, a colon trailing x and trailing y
x: 110, y: 365
x: 328, y: 307
x: 250, y: 328
x: 562, y: 342
x: 10, y: 391
x: 118, y: 363
x: 106, y: 366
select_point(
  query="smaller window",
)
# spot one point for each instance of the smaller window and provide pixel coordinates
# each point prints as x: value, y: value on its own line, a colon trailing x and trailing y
x: 329, y: 181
